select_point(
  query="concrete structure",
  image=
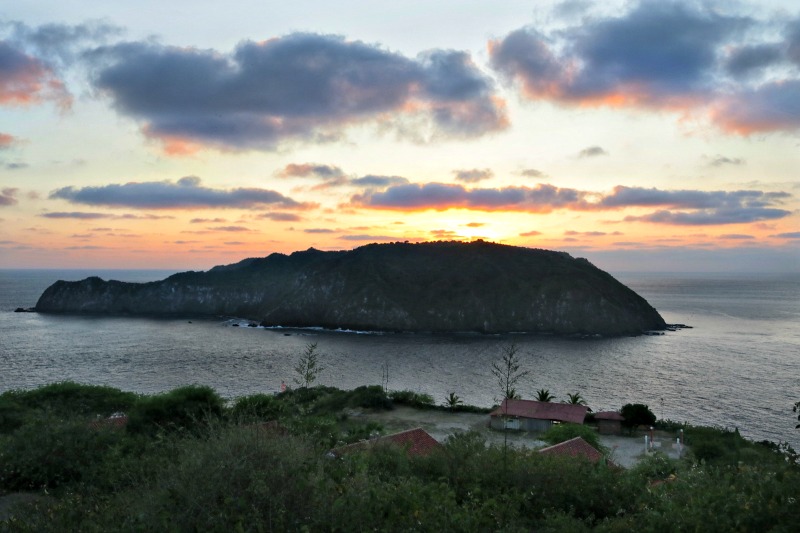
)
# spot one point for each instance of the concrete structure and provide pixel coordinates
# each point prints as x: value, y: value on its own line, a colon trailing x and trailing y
x: 530, y: 415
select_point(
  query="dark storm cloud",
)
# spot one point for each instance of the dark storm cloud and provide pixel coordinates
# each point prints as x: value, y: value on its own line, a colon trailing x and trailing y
x: 293, y: 87
x: 473, y: 175
x: 186, y: 193
x: 671, y: 55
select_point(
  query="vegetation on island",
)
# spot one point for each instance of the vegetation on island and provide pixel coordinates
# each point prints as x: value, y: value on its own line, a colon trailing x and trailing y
x: 189, y: 461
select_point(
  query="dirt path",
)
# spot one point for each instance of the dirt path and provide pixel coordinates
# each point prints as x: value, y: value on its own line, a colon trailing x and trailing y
x: 625, y: 451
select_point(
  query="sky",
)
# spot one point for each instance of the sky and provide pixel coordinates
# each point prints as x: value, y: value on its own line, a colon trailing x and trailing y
x: 650, y: 135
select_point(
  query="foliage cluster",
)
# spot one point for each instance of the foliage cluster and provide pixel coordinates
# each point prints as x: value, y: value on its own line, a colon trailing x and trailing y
x: 637, y: 414
x: 224, y: 473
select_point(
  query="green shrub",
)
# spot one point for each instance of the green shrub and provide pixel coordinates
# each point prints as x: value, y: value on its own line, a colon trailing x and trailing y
x: 412, y: 399
x: 257, y: 407
x: 371, y: 397
x: 564, y: 432
x: 182, y: 408
x: 70, y: 399
x: 54, y: 453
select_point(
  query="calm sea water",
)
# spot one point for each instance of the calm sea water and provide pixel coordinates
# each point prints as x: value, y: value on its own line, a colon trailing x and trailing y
x: 738, y: 367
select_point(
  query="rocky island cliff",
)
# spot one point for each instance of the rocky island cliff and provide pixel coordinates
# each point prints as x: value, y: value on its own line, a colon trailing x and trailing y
x: 439, y: 286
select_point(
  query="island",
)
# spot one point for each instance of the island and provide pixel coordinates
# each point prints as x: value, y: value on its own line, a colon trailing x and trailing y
x: 410, y: 287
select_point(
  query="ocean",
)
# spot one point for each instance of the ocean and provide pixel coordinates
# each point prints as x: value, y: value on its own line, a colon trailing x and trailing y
x: 739, y: 367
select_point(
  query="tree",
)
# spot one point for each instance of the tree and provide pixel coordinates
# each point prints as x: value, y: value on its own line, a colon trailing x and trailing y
x: 507, y: 372
x: 452, y: 401
x: 308, y: 367
x: 637, y: 414
x: 543, y: 395
x: 577, y: 399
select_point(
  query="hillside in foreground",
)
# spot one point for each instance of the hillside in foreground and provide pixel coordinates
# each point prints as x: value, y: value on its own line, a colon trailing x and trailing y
x: 440, y: 287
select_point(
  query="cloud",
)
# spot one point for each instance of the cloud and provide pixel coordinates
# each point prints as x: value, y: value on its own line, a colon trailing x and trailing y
x: 319, y: 231
x: 768, y: 107
x: 587, y: 233
x: 207, y: 220
x: 7, y: 141
x: 678, y: 207
x: 186, y: 193
x: 232, y: 229
x: 76, y: 215
x: 25, y: 79
x: 302, y: 86
x: 735, y: 237
x: 722, y: 160
x: 280, y: 217
x: 747, y: 61
x: 591, y: 151
x: 82, y: 215
x: 474, y: 175
x: 440, y: 196
x: 8, y: 196
x: 372, y: 180
x: 315, y: 170
x: 530, y: 233
x: 15, y: 166
x: 686, y: 57
x: 532, y: 173
x: 790, y: 235
x: 61, y: 43
x: 475, y: 224
x: 368, y: 238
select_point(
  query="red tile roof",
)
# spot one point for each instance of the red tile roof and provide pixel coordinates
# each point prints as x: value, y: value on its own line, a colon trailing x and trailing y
x: 576, y: 447
x: 609, y: 415
x: 417, y: 442
x: 563, y: 412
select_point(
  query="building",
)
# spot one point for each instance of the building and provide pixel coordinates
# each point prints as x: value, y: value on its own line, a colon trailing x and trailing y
x: 530, y: 415
x: 416, y: 442
x: 609, y: 422
x: 576, y: 447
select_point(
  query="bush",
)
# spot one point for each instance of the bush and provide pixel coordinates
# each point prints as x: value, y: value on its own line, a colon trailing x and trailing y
x: 53, y: 453
x: 69, y: 399
x: 257, y: 407
x: 412, y: 399
x: 565, y: 432
x: 371, y: 397
x: 182, y: 408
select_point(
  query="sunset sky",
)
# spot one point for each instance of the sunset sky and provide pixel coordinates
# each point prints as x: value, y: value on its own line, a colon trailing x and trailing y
x: 649, y: 135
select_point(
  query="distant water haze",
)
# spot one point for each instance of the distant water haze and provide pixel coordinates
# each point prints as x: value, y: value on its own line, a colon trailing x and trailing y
x: 738, y: 367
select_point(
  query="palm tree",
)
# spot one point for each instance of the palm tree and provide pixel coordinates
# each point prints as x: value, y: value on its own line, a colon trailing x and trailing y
x: 452, y: 400
x: 576, y: 399
x: 544, y: 396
